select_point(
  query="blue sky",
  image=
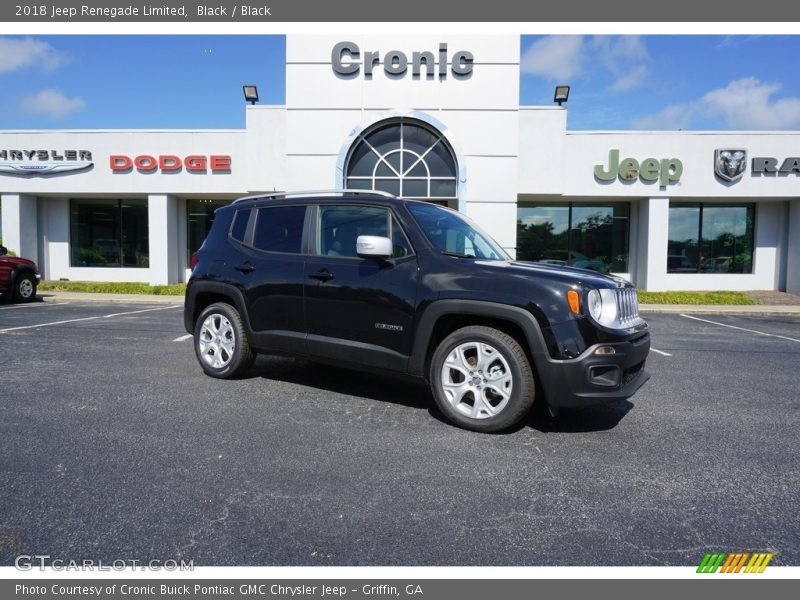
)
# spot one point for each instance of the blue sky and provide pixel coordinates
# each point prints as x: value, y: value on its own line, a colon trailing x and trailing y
x: 618, y: 82
x: 177, y: 81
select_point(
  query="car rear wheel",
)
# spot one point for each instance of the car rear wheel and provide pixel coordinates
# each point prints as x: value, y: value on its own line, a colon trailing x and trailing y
x: 25, y: 288
x: 220, y: 342
x: 481, y: 379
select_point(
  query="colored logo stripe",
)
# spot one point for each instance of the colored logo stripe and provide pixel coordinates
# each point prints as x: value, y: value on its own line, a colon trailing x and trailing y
x: 734, y: 562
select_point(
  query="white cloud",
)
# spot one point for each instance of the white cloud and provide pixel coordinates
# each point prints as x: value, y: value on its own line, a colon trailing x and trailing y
x: 625, y: 57
x: 672, y: 118
x: 748, y: 104
x: 27, y: 52
x: 742, y: 104
x: 557, y: 57
x: 622, y: 59
x: 52, y: 103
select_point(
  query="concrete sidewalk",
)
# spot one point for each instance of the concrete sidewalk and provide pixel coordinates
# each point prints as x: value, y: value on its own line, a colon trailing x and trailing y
x: 721, y: 309
x: 52, y: 296
x: 707, y: 309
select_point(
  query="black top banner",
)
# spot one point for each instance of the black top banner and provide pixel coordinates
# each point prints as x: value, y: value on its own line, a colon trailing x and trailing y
x: 393, y: 10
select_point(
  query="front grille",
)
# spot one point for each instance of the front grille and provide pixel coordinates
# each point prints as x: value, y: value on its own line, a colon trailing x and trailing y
x: 627, y: 306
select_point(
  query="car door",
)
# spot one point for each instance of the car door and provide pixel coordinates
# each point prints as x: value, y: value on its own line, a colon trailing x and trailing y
x: 359, y: 310
x: 271, y: 268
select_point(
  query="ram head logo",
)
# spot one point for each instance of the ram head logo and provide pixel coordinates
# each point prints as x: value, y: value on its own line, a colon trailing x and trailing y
x: 730, y: 164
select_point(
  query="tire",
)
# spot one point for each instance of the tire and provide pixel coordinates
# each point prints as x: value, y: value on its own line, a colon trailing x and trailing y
x: 25, y: 288
x: 487, y: 394
x: 220, y: 342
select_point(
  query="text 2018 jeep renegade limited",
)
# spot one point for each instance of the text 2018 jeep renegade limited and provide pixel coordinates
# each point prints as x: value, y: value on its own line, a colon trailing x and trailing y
x: 365, y: 280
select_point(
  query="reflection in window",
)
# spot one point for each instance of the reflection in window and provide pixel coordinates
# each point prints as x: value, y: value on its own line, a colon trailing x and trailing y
x: 578, y: 234
x: 452, y: 233
x: 109, y: 233
x: 199, y: 218
x: 340, y: 227
x: 710, y: 238
x: 403, y: 157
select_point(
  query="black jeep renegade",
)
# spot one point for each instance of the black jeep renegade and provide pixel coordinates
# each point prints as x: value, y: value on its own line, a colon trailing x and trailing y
x: 365, y: 280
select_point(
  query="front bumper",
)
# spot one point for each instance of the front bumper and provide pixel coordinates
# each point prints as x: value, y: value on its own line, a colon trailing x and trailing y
x: 593, y: 378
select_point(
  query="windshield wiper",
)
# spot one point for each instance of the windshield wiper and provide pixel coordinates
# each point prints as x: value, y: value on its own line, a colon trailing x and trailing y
x: 457, y: 254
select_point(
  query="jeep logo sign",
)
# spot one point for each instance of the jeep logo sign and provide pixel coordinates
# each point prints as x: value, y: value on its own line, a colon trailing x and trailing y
x: 346, y: 60
x: 666, y: 170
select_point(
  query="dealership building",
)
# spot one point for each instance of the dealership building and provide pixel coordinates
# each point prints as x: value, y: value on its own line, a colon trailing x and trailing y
x: 430, y: 117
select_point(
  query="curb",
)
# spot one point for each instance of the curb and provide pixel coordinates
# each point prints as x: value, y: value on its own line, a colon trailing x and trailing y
x: 754, y: 310
x: 108, y: 298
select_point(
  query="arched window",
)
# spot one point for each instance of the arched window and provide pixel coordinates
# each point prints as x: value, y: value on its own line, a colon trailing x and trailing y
x: 404, y: 157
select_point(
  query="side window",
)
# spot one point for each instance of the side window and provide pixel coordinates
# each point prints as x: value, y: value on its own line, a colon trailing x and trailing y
x: 280, y: 229
x: 340, y: 226
x: 239, y: 227
x: 400, y: 242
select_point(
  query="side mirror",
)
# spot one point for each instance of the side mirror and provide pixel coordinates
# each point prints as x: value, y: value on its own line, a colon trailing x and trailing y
x: 3, y: 250
x: 374, y: 246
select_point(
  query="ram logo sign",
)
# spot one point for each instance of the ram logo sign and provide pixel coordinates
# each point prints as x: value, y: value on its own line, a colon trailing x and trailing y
x: 730, y: 164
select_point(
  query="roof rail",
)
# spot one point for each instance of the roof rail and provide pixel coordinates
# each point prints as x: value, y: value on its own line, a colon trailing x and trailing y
x: 306, y: 193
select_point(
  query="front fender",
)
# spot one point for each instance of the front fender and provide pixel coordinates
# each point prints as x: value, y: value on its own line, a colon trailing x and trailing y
x: 524, y: 319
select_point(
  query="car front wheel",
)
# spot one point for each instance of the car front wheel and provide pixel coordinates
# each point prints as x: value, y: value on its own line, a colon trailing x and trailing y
x: 25, y: 288
x: 481, y: 379
x: 220, y: 342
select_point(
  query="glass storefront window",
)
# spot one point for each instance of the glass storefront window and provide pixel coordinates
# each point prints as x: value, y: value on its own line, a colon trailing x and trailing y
x: 710, y: 238
x: 199, y: 218
x: 578, y: 234
x: 109, y: 233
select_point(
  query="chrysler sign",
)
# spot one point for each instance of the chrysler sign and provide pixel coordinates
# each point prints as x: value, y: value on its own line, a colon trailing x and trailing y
x: 43, y: 162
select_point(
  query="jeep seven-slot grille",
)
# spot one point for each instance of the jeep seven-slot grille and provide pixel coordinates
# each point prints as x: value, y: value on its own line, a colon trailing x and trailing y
x: 627, y: 306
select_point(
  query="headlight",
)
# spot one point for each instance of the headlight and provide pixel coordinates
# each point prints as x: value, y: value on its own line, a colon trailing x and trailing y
x: 603, y: 307
x: 595, y: 304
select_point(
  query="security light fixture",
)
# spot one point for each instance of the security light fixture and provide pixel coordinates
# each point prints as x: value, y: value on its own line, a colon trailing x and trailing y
x: 562, y: 94
x: 251, y: 93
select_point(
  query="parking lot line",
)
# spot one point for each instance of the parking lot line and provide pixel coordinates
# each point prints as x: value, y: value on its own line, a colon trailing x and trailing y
x: 182, y: 338
x: 132, y: 312
x: 661, y: 352
x: 783, y: 337
x: 32, y: 305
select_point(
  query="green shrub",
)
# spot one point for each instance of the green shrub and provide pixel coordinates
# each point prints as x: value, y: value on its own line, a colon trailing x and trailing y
x: 738, y: 298
x: 106, y: 287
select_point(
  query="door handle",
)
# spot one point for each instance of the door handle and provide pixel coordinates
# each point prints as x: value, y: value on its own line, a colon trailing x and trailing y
x: 323, y: 275
x: 245, y: 268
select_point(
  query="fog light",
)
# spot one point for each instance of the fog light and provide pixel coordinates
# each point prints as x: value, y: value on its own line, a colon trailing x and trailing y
x: 605, y: 350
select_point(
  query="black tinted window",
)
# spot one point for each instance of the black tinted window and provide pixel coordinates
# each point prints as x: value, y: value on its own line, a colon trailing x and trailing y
x: 280, y: 229
x: 340, y: 227
x: 240, y: 224
x: 400, y: 242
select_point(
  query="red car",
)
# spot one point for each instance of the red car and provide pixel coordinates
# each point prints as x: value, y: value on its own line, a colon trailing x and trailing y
x: 18, y: 277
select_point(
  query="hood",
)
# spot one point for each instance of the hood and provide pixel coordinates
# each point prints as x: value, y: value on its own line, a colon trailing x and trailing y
x: 19, y: 262
x: 569, y: 275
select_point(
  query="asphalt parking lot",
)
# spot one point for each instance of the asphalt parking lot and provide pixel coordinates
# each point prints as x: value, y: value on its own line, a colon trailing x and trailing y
x: 114, y: 445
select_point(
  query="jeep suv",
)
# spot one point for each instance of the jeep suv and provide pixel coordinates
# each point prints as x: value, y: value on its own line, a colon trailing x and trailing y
x: 370, y: 281
x: 19, y: 277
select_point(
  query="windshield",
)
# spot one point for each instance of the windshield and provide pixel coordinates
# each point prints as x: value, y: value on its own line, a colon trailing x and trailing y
x: 452, y: 233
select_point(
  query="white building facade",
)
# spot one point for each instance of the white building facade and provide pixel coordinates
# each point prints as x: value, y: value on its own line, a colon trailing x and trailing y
x: 430, y: 117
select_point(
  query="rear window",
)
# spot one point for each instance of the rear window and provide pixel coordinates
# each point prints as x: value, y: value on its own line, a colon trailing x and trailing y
x: 239, y: 227
x: 280, y: 229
